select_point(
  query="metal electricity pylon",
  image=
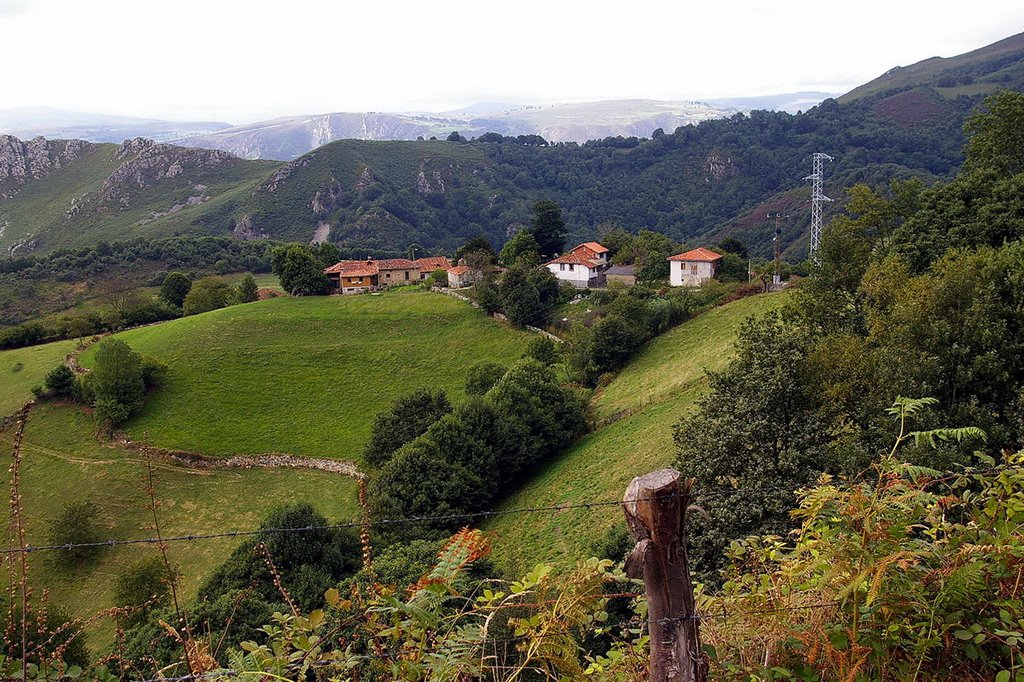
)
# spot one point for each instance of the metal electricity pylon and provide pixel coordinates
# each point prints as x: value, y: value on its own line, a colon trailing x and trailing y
x: 818, y: 197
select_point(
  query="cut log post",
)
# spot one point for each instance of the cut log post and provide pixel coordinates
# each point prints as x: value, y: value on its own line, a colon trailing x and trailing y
x: 655, y: 506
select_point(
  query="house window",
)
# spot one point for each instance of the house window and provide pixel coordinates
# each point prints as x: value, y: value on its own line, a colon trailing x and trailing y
x: 407, y: 274
x: 693, y: 269
x: 571, y: 267
x: 561, y: 266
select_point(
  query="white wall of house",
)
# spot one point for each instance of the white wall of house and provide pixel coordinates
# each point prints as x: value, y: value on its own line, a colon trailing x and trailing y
x: 574, y: 273
x: 690, y: 273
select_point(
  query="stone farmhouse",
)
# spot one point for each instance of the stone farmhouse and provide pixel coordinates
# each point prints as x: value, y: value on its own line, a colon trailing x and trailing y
x: 583, y: 266
x: 693, y: 268
x: 360, y: 276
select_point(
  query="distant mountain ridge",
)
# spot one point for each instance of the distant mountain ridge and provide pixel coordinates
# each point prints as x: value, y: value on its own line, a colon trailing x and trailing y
x: 59, y: 124
x: 290, y: 137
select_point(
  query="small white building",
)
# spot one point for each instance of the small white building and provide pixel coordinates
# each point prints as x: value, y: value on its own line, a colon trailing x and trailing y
x: 460, y: 276
x: 693, y: 268
x: 583, y: 267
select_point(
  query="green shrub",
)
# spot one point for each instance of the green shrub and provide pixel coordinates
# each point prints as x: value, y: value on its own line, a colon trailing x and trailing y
x: 482, y: 376
x: 408, y: 417
x: 205, y: 295
x: 145, y: 584
x: 543, y: 350
x: 77, y: 523
x: 61, y: 383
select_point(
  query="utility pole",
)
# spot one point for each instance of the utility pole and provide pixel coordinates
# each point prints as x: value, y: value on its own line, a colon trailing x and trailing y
x: 817, y: 178
x: 656, y: 506
x: 777, y: 278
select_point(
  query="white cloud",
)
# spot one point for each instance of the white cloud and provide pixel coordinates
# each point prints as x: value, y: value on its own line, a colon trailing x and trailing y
x: 244, y: 60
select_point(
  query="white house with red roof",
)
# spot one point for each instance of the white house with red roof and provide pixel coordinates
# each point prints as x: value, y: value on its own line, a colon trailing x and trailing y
x: 583, y: 267
x: 693, y: 268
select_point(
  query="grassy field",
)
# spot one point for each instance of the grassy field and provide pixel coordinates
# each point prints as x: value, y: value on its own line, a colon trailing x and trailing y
x: 307, y: 376
x: 63, y: 463
x: 23, y: 368
x: 656, y: 389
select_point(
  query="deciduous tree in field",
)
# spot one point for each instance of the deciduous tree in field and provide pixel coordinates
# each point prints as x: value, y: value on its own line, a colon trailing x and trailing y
x: 300, y: 273
x: 205, y: 295
x: 247, y: 290
x: 175, y: 288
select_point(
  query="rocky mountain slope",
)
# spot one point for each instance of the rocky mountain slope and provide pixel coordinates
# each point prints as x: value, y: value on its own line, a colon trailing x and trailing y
x: 71, y: 193
x: 24, y: 161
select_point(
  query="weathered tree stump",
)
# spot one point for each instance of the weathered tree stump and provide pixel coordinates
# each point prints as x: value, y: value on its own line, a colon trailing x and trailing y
x: 655, y: 506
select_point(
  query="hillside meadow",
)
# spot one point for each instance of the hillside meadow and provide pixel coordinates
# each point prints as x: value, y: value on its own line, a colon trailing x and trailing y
x: 307, y: 376
x: 23, y: 368
x: 638, y: 409
x: 63, y: 463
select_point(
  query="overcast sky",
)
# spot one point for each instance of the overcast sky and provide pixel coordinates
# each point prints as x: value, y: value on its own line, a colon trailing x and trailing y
x: 245, y: 60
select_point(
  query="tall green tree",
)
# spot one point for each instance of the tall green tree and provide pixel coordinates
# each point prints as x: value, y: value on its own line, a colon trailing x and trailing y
x: 300, y: 273
x: 996, y: 134
x: 247, y: 291
x: 477, y: 244
x: 116, y: 381
x: 205, y: 295
x: 756, y: 437
x: 548, y: 228
x: 175, y: 288
x: 522, y: 248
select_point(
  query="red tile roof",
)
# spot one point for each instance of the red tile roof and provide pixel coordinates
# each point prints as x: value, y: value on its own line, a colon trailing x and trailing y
x: 593, y: 246
x: 700, y: 255
x: 431, y: 263
x: 581, y: 257
x: 354, y: 268
x: 459, y: 270
x: 396, y: 264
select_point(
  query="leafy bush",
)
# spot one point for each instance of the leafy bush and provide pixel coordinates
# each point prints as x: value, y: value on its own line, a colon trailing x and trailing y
x: 77, y: 523
x: 145, y: 584
x: 543, y: 350
x: 408, y: 417
x: 482, y: 376
x: 61, y: 383
x: 205, y: 295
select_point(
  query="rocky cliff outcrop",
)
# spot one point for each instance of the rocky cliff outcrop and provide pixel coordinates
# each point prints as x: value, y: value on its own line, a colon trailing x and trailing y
x: 145, y: 163
x: 24, y: 161
x: 719, y: 167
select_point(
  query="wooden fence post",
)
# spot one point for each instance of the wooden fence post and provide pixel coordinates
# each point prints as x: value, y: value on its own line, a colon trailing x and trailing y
x: 655, y: 506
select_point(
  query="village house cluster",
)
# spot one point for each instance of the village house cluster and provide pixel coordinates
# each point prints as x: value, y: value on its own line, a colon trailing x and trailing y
x: 587, y: 266
x: 584, y: 266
